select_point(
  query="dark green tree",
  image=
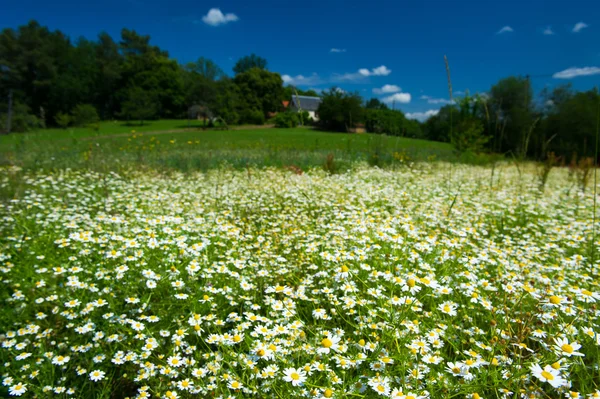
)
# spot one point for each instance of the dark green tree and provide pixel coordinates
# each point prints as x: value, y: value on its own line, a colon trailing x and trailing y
x: 249, y: 62
x: 205, y: 68
x: 260, y: 90
x: 375, y: 103
x: 511, y: 107
x: 339, y: 110
x: 139, y: 104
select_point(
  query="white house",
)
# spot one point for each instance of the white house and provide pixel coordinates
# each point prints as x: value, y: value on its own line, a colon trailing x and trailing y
x: 306, y: 103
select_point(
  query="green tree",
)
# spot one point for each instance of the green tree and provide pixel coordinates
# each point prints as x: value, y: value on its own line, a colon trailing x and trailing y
x: 570, y: 124
x: 139, y: 104
x: 249, y: 62
x: 339, y: 110
x: 63, y: 120
x: 260, y: 90
x: 205, y: 68
x: 437, y: 127
x: 375, y: 103
x: 84, y: 114
x: 109, y: 63
x: 511, y: 107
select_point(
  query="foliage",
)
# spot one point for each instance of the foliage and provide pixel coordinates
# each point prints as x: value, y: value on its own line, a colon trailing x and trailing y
x: 570, y: 123
x: 249, y: 62
x: 205, y: 68
x: 63, y: 120
x: 375, y: 103
x: 260, y: 90
x: 252, y: 117
x: 391, y: 122
x: 22, y: 119
x: 286, y: 119
x: 84, y: 114
x: 339, y: 111
x: 469, y: 136
x: 468, y: 131
x: 139, y: 104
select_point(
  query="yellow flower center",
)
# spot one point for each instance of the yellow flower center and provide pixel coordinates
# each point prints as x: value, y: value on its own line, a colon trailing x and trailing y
x: 260, y: 352
x: 326, y: 343
x: 556, y: 365
x: 328, y: 393
x: 567, y: 348
x: 411, y: 282
x: 555, y: 299
x: 548, y: 376
x: 295, y: 376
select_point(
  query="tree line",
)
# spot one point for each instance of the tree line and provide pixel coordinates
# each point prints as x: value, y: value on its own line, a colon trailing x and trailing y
x: 509, y: 119
x: 55, y: 81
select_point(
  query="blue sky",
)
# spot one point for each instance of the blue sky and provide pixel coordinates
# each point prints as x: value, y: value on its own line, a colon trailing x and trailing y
x: 385, y: 48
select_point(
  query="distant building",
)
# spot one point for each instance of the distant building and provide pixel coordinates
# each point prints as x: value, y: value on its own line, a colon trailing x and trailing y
x: 306, y: 103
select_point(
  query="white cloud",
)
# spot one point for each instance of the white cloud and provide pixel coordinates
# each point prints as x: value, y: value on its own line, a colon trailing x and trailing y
x: 505, y: 29
x: 337, y: 50
x: 215, y: 17
x: 387, y: 89
x: 579, y: 26
x: 379, y: 71
x: 422, y: 116
x: 548, y: 31
x: 574, y: 72
x: 431, y: 100
x: 402, y: 98
x: 301, y: 80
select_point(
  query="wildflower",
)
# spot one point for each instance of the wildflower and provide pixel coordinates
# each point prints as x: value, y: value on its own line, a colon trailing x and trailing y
x: 296, y: 376
x: 548, y: 374
x: 17, y: 390
x: 97, y: 375
x: 564, y: 348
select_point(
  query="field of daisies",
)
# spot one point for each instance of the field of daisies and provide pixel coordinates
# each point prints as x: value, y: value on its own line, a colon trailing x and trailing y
x: 436, y: 281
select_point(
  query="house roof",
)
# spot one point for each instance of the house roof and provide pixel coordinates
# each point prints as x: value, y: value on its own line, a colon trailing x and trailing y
x: 306, y: 103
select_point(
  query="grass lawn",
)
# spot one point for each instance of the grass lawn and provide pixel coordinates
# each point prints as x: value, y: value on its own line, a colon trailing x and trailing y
x: 170, y: 144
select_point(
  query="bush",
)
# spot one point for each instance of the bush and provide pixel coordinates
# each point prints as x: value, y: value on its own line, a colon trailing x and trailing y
x: 63, y: 120
x: 469, y: 136
x: 84, y: 114
x: 22, y: 119
x: 253, y: 117
x: 286, y: 120
x: 339, y: 110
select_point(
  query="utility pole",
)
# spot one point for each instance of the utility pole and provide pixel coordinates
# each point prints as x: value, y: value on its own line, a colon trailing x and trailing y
x: 9, y: 116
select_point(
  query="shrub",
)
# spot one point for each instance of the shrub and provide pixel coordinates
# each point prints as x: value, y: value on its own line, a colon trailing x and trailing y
x: 84, y: 114
x: 286, y: 120
x: 253, y: 117
x: 22, y: 119
x: 63, y: 120
x: 468, y: 136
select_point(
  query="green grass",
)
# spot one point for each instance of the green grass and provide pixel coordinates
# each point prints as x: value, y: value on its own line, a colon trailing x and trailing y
x: 105, y: 129
x: 119, y: 145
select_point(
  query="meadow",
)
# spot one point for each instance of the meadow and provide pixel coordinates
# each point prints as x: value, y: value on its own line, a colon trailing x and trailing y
x: 170, y: 145
x: 429, y: 280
